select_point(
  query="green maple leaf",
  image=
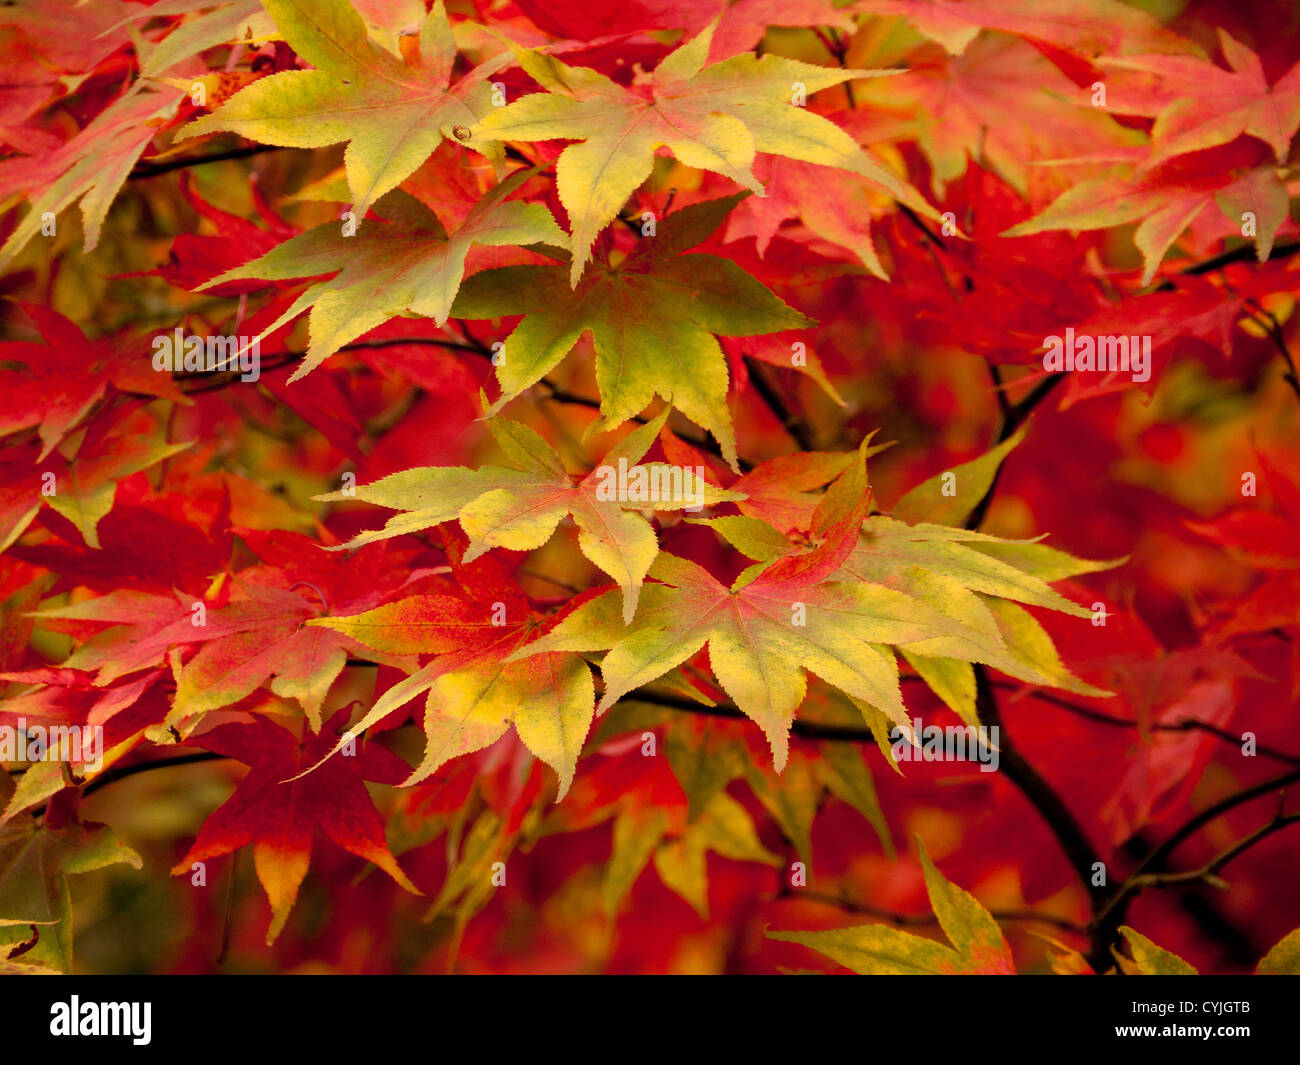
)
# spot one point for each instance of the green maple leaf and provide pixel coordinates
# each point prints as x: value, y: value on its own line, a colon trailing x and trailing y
x: 653, y: 320
x: 35, y: 862
x: 976, y: 581
x: 711, y: 118
x: 519, y: 507
x: 405, y: 263
x: 949, y: 497
x: 978, y: 945
x: 724, y: 827
x: 392, y: 114
x: 638, y: 830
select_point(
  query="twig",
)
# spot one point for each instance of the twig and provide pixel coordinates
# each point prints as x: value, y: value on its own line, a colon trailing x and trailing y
x: 1207, y: 872
x: 117, y: 773
x: 1082, y: 856
x: 1108, y: 919
x: 807, y: 729
x: 792, y: 423
x: 1010, y: 423
x: 1190, y: 724
x: 1112, y: 914
x: 147, y: 169
x: 1274, y: 330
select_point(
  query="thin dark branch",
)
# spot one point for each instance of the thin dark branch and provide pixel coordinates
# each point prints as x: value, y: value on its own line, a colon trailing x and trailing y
x: 916, y: 220
x: 1237, y: 255
x: 1274, y: 330
x: 147, y: 169
x: 1190, y: 724
x: 111, y: 776
x: 792, y: 423
x: 1112, y: 915
x: 811, y: 730
x: 1000, y: 391
x: 286, y: 358
x: 116, y: 773
x: 1010, y: 423
x: 1083, y: 857
x: 1208, y: 872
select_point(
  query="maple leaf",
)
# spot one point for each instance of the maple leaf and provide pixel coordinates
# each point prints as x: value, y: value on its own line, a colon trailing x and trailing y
x: 949, y: 497
x: 81, y: 488
x: 407, y: 263
x: 36, y: 858
x: 257, y: 635
x: 678, y: 846
x: 48, y: 49
x: 832, y: 204
x: 761, y: 634
x: 652, y: 319
x: 724, y: 827
x: 1266, y: 542
x: 1000, y: 102
x: 475, y: 692
x: 1089, y: 26
x: 1167, y: 203
x: 226, y: 23
x: 519, y: 507
x: 70, y: 36
x: 976, y: 582
x: 977, y: 944
x: 1199, y: 105
x: 392, y: 114
x: 711, y: 118
x: 90, y: 167
x: 780, y: 492
x: 829, y: 611
x: 63, y: 378
x: 637, y: 832
x: 195, y: 257
x: 279, y: 817
x: 740, y: 26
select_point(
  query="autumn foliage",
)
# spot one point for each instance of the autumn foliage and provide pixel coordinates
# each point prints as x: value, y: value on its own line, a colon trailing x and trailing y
x: 675, y: 486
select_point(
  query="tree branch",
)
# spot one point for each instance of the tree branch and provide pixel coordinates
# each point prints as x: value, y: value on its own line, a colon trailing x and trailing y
x: 790, y: 422
x: 116, y: 773
x: 1207, y: 872
x: 1012, y: 419
x: 146, y: 169
x: 1190, y: 724
x: 811, y: 730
